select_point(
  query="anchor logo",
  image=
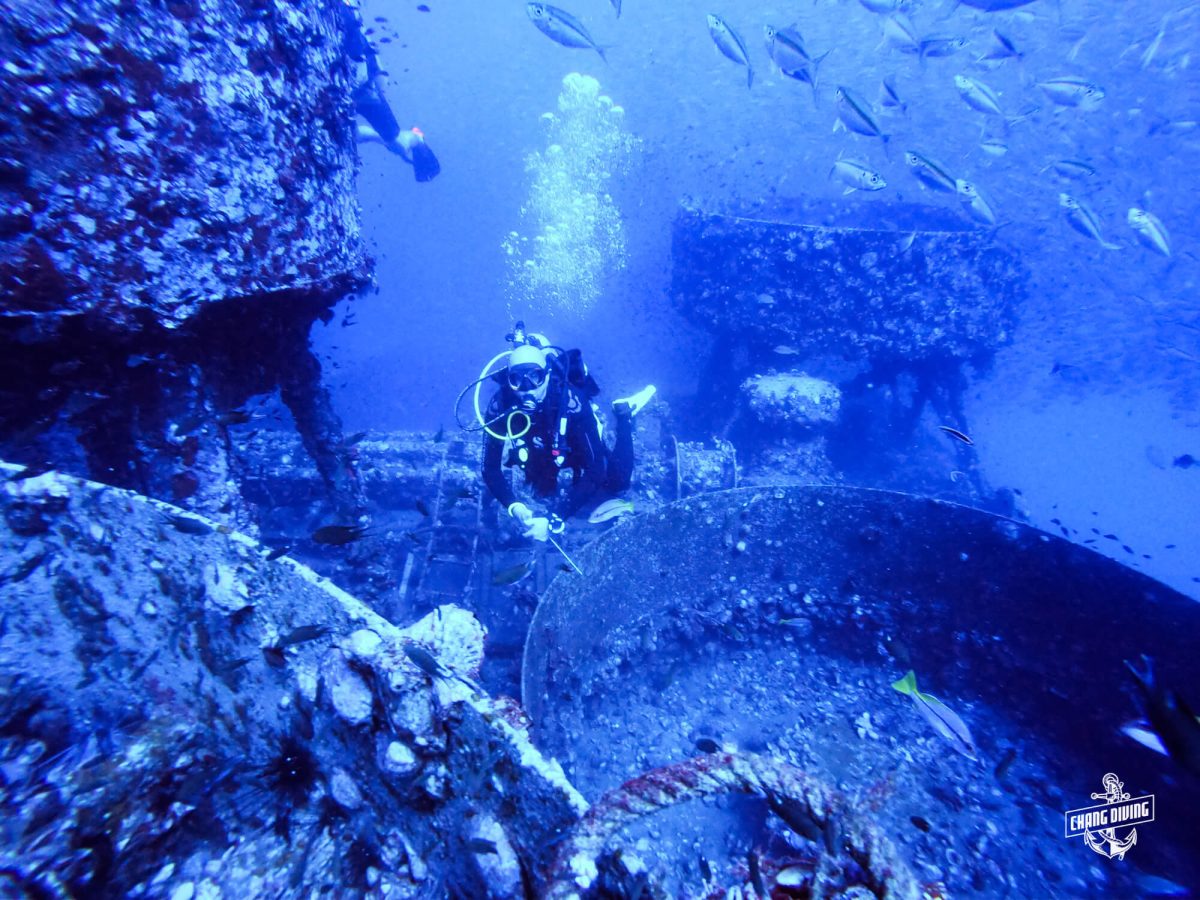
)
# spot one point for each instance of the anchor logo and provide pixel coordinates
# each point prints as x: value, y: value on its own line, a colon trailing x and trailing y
x: 1098, y: 824
x: 1104, y: 841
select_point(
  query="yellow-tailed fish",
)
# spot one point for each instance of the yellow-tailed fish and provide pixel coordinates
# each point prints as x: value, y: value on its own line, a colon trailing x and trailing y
x: 610, y: 509
x: 730, y: 44
x: 1150, y: 230
x: 943, y: 719
x: 857, y: 177
x: 973, y: 202
x: 1080, y: 217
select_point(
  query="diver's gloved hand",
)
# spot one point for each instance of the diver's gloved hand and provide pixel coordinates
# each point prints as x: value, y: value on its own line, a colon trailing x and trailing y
x: 521, y: 513
x: 543, y: 526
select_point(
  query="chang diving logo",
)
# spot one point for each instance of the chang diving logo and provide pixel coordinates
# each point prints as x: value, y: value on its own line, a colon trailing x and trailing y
x: 1099, y: 824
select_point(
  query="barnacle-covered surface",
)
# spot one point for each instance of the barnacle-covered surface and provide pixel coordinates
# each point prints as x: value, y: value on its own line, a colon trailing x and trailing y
x: 775, y: 620
x: 158, y: 157
x: 180, y: 713
x: 891, y: 283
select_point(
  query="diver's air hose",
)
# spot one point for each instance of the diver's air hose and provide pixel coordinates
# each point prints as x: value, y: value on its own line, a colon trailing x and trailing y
x: 511, y: 435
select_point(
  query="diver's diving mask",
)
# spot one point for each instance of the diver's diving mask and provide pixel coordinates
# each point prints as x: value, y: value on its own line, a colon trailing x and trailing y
x: 529, y: 383
x: 526, y: 379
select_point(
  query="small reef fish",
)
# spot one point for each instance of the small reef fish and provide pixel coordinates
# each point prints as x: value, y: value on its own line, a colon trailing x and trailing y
x: 1150, y: 230
x: 978, y: 95
x: 785, y: 350
x: 973, y: 202
x: 930, y: 173
x: 857, y: 177
x: 940, y: 45
x: 943, y: 719
x: 1173, y: 727
x: 994, y: 5
x: 610, y: 509
x: 561, y: 27
x: 339, y: 535
x: 1002, y: 48
x: 1006, y: 762
x: 881, y: 7
x: 957, y: 435
x: 1075, y: 169
x: 1082, y: 219
x: 731, y: 45
x: 189, y: 524
x: 994, y: 147
x: 1150, y: 52
x: 617, y: 6
x: 512, y: 575
x: 854, y: 115
x: 889, y: 98
x: 1171, y: 720
x: 1071, y: 91
x: 425, y: 661
x: 786, y: 48
x: 302, y: 635
x: 898, y: 32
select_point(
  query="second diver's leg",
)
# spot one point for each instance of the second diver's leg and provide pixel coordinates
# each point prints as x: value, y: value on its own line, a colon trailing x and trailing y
x: 620, y: 459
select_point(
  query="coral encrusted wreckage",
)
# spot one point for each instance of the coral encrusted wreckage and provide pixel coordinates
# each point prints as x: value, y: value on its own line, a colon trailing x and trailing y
x: 178, y: 710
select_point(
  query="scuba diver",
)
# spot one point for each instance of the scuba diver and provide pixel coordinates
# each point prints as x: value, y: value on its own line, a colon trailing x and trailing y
x: 370, y: 103
x: 543, y: 415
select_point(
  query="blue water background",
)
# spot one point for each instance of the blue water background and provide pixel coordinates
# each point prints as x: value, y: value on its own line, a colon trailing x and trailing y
x: 1091, y: 444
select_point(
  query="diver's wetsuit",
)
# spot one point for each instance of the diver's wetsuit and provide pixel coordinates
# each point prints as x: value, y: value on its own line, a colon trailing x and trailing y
x: 369, y: 101
x: 598, y: 471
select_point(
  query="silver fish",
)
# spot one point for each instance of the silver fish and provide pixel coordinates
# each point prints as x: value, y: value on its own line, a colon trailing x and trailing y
x: 610, y: 509
x: 857, y: 177
x: 973, y: 202
x: 943, y: 719
x: 898, y: 32
x: 617, y: 6
x: 1071, y: 91
x: 978, y: 95
x: 854, y: 115
x: 930, y: 173
x: 994, y: 5
x: 882, y: 7
x: 1148, y: 55
x: 1150, y: 230
x: 561, y: 27
x: 785, y: 46
x: 1082, y: 219
x: 889, y: 98
x: 940, y: 45
x: 1003, y: 48
x: 1071, y: 168
x: 993, y: 147
x: 730, y: 43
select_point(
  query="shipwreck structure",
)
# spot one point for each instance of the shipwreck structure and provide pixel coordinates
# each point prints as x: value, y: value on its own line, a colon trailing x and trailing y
x: 879, y: 310
x: 177, y: 206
